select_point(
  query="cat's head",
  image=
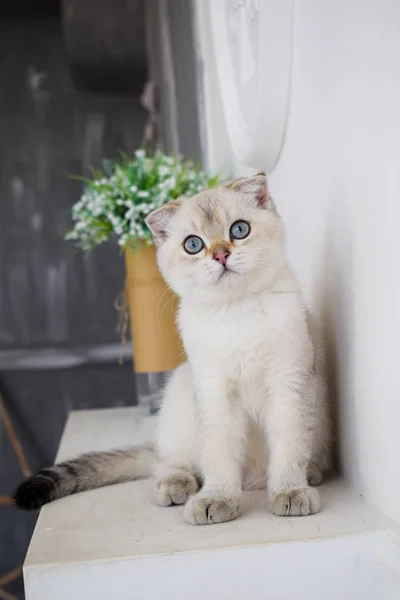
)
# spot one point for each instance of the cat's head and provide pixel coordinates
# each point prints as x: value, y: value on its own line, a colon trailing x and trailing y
x: 227, y: 240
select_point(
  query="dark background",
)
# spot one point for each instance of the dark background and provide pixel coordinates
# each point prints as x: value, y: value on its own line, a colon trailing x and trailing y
x: 60, y: 113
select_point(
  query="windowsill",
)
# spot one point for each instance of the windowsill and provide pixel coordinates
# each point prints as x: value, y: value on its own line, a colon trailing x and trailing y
x: 122, y: 522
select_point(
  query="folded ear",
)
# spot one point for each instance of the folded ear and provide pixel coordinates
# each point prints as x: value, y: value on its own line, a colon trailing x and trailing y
x: 157, y: 221
x: 255, y: 187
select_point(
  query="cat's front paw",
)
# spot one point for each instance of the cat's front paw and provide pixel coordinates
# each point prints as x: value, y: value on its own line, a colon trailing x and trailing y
x: 204, y: 509
x: 175, y: 489
x: 296, y: 503
x: 314, y: 474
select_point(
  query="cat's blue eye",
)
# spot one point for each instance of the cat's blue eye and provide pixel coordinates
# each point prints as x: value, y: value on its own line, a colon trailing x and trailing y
x: 240, y: 230
x: 193, y: 244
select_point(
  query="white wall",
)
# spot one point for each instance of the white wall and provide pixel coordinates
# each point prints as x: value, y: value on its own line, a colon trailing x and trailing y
x: 337, y: 185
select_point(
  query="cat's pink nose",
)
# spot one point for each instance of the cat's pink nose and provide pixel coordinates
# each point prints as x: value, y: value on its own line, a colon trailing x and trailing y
x: 221, y: 256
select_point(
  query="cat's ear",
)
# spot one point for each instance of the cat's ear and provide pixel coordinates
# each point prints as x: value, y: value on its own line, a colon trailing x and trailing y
x: 157, y: 221
x: 254, y: 188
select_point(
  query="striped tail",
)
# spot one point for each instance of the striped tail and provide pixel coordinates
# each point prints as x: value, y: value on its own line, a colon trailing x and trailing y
x: 86, y: 472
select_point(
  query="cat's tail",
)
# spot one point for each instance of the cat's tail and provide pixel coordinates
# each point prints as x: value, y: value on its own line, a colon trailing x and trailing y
x: 88, y: 471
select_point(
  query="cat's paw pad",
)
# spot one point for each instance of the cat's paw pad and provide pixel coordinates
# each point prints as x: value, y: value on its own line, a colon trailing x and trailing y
x: 296, y: 503
x: 314, y: 475
x: 175, y: 489
x: 204, y: 510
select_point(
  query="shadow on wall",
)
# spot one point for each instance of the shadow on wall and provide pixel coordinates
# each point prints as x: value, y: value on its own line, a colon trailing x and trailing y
x: 336, y: 284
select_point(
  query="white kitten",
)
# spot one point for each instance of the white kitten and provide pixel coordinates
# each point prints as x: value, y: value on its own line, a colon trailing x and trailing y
x: 250, y: 404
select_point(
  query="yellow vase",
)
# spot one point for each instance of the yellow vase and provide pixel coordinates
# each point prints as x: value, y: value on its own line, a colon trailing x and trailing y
x: 157, y: 346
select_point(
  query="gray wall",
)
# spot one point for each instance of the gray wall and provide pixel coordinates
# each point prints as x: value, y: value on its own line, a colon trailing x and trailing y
x: 56, y: 306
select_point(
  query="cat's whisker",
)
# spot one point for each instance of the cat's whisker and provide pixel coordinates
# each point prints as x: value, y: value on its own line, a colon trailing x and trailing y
x: 159, y: 315
x: 165, y: 291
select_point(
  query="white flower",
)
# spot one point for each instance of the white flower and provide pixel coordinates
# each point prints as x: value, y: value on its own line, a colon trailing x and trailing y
x: 164, y: 170
x: 170, y: 182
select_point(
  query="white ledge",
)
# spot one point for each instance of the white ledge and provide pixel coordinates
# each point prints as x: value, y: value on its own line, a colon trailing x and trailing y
x: 94, y: 544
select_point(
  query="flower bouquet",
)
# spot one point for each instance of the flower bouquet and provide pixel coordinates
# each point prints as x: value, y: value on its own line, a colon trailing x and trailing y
x: 113, y: 204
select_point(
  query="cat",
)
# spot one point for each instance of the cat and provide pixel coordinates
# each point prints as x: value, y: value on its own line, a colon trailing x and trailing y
x: 249, y: 408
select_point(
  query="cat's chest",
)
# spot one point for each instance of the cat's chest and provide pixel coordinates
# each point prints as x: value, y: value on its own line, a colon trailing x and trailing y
x: 237, y: 333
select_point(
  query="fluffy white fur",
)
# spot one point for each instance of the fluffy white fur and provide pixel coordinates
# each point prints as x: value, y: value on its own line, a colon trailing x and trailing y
x: 251, y: 401
x: 249, y: 407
